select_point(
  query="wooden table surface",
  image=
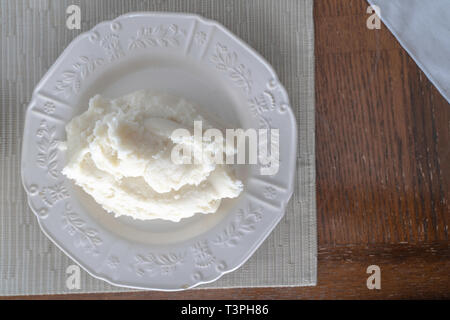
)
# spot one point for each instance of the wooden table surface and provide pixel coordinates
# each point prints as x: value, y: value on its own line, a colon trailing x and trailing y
x: 382, y: 144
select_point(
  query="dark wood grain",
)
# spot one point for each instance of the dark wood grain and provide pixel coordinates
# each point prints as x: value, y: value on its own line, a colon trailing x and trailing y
x: 382, y: 141
x: 382, y: 136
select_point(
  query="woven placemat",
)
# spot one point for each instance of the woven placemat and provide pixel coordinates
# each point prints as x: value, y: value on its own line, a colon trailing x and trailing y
x: 34, y: 33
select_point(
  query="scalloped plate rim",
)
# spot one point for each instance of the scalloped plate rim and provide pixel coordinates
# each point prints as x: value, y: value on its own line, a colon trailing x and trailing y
x: 257, y: 243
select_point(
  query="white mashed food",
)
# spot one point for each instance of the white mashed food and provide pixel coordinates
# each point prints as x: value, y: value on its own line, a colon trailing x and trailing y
x: 119, y: 152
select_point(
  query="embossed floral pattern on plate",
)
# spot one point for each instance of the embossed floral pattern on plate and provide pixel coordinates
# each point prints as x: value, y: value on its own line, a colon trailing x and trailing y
x: 66, y: 219
x: 158, y: 36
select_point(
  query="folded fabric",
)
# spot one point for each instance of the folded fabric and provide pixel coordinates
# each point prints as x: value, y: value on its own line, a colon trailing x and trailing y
x: 423, y: 29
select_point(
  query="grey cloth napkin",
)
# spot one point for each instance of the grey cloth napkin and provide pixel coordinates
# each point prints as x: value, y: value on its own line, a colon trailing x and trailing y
x: 34, y: 33
x: 423, y: 29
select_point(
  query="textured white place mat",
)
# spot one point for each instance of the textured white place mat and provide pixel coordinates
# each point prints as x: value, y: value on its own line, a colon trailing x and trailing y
x: 34, y: 33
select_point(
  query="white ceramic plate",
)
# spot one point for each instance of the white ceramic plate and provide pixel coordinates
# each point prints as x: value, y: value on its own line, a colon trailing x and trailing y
x: 186, y: 55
